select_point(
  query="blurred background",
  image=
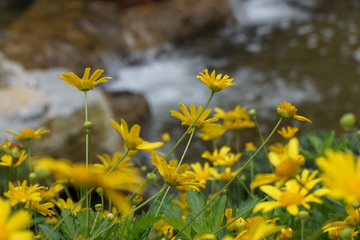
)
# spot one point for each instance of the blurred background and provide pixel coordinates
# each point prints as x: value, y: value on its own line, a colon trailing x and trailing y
x: 306, y: 52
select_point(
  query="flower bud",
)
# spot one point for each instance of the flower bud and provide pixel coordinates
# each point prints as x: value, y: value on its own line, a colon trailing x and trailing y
x: 240, y: 227
x: 33, y: 177
x: 87, y: 125
x: 347, y: 120
x: 37, y: 237
x: 242, y: 177
x: 42, y: 172
x: 100, y: 191
x: 304, y: 216
x: 230, y: 228
x: 144, y: 168
x: 110, y: 217
x: 252, y: 112
x: 151, y: 177
x: 346, y: 234
x: 356, y: 204
x: 166, y: 137
x: 98, y: 207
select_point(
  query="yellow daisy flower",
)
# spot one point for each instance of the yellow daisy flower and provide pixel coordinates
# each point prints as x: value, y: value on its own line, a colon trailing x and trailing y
x: 49, y: 194
x: 238, y: 124
x: 216, y: 155
x: 183, y: 181
x: 7, y: 160
x: 162, y: 228
x: 188, y: 118
x: 351, y: 221
x: 69, y: 204
x: 259, y: 229
x: 217, y: 132
x: 295, y: 195
x: 289, y: 133
x: 286, y: 166
x: 287, y: 110
x: 132, y: 139
x: 232, y: 115
x: 203, y: 174
x: 29, y: 133
x: 229, y: 160
x: 341, y: 174
x: 227, y: 175
x: 86, y: 83
x: 286, y: 233
x: 22, y: 193
x: 215, y: 83
x: 108, y: 163
x: 12, y: 228
x: 43, y: 209
x: 238, y: 225
x: 278, y: 148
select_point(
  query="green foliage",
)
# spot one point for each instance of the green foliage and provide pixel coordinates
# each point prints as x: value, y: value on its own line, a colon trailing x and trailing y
x: 246, y: 205
x: 141, y: 227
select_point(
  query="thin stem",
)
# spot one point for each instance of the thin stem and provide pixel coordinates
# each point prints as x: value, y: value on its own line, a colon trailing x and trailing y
x: 67, y: 192
x: 228, y: 183
x: 262, y: 140
x: 92, y: 229
x: 252, y: 175
x: 302, y: 230
x: 86, y: 159
x: 245, y: 187
x: 229, y: 139
x: 118, y: 161
x: 167, y: 190
x: 214, y: 144
x: 186, y: 149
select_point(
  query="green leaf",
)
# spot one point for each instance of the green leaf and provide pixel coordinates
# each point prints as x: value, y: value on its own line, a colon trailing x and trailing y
x: 141, y: 226
x: 68, y: 226
x: 317, y: 143
x: 245, y: 206
x: 341, y: 144
x: 45, y: 229
x: 218, y: 210
x: 37, y: 221
x: 329, y: 140
x: 196, y: 202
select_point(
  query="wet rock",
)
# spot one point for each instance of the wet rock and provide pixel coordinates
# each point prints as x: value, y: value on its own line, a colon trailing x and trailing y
x: 75, y: 34
x: 38, y: 98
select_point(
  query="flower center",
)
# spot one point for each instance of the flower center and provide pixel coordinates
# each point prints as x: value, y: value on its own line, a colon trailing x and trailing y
x: 27, y: 133
x: 286, y: 169
x: 288, y: 198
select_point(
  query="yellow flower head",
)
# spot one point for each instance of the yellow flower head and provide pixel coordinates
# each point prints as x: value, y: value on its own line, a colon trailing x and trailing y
x: 166, y: 137
x: 132, y: 139
x: 7, y: 160
x: 215, y: 83
x: 108, y: 163
x: 227, y: 175
x: 12, y: 228
x: 351, y: 221
x: 43, y: 208
x: 183, y: 181
x: 229, y: 160
x: 188, y: 118
x: 238, y: 124
x: 217, y: 132
x: 341, y: 174
x: 286, y: 165
x: 69, y: 204
x: 259, y: 229
x: 289, y: 133
x: 28, y: 133
x: 287, y: 110
x: 22, y: 193
x: 286, y: 233
x: 203, y: 174
x: 295, y: 195
x: 84, y: 84
x: 232, y: 115
x: 216, y: 155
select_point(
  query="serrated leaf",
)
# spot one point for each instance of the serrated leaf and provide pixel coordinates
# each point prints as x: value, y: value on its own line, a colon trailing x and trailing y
x: 218, y: 210
x: 196, y: 202
x: 45, y: 229
x: 341, y: 144
x: 169, y: 211
x: 329, y: 140
x: 37, y: 221
x: 245, y: 206
x: 68, y: 225
x: 142, y: 225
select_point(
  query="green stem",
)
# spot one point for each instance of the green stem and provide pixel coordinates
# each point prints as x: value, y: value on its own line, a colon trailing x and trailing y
x: 252, y: 175
x: 228, y: 183
x: 302, y: 230
x: 214, y: 144
x: 245, y: 187
x: 229, y: 139
x: 262, y: 140
x: 92, y: 229
x: 137, y: 161
x: 186, y: 149
x: 67, y: 192
x: 237, y: 141
x: 86, y: 158
x: 162, y: 201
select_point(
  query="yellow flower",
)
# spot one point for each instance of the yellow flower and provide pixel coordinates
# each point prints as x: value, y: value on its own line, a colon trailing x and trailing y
x: 238, y: 225
x: 11, y: 228
x: 285, y: 164
x: 232, y: 115
x: 278, y: 148
x: 341, y: 174
x: 22, y: 193
x: 69, y: 204
x: 238, y: 124
x: 108, y: 163
x: 217, y: 132
x: 188, y: 118
x: 43, y: 209
x: 203, y: 174
x: 351, y: 221
x: 166, y: 137
x: 286, y: 233
x: 250, y: 147
x: 183, y: 181
x: 49, y: 194
x: 229, y: 160
x: 7, y: 160
x: 217, y: 155
x: 215, y: 83
x: 12, y: 149
x: 289, y: 133
x: 206, y: 236
x: 162, y: 228
x: 84, y: 84
x: 227, y: 175
x: 295, y: 195
x: 259, y: 229
x: 29, y: 133
x: 132, y: 139
x: 287, y: 110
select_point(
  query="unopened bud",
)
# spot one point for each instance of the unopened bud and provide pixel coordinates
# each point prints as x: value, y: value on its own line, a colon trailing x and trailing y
x: 347, y: 120
x: 98, y: 207
x: 151, y: 177
x: 346, y: 234
x: 242, y: 177
x: 87, y: 125
x: 166, y: 137
x: 252, y: 112
x: 110, y: 217
x: 304, y: 216
x: 42, y: 171
x: 240, y: 227
x: 100, y: 191
x: 33, y: 177
x: 37, y: 237
x: 144, y: 168
x: 356, y: 204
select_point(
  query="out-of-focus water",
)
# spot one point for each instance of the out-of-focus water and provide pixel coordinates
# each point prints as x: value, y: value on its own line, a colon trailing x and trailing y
x: 280, y: 51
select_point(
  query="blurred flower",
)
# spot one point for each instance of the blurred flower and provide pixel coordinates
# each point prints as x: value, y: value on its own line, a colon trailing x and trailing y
x: 215, y: 83
x: 216, y: 155
x: 229, y: 160
x: 258, y: 229
x: 14, y: 150
x: 22, y: 193
x: 295, y: 195
x: 216, y: 132
x: 206, y: 237
x: 28, y: 133
x: 286, y: 233
x: 341, y: 174
x: 11, y: 228
x: 227, y: 175
x: 49, y: 194
x: 166, y: 137
x: 84, y: 84
x: 162, y: 228
x: 43, y: 209
x: 238, y: 124
x: 287, y: 110
x: 183, y: 181
x: 289, y: 133
x: 250, y: 147
x: 203, y: 174
x: 278, y: 148
x: 7, y: 160
x: 69, y: 204
x: 132, y: 139
x: 108, y: 163
x: 182, y: 203
x: 188, y: 118
x: 232, y: 115
x: 351, y: 221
